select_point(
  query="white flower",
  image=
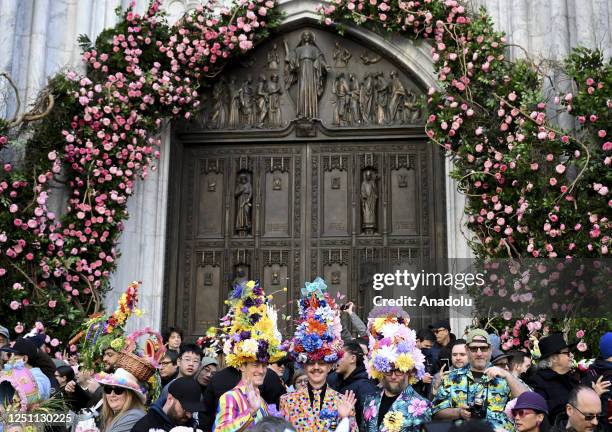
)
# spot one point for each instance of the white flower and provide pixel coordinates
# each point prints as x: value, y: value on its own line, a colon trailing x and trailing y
x: 390, y: 330
x: 250, y: 346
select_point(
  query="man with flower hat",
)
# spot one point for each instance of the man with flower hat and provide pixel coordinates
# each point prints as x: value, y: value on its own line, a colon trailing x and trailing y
x: 396, y: 362
x: 317, y: 345
x: 253, y: 342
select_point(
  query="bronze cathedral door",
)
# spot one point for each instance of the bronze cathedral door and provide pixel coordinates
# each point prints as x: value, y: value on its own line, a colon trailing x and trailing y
x: 258, y: 194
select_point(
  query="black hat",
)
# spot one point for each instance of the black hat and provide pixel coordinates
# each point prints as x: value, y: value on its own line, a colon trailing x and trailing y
x: 22, y: 346
x: 188, y: 392
x: 553, y: 344
x: 441, y: 324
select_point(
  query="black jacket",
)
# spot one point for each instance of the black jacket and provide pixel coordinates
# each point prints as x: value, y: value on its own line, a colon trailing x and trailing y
x: 601, y: 368
x: 553, y: 387
x: 359, y: 383
x: 156, y: 419
x: 226, y: 379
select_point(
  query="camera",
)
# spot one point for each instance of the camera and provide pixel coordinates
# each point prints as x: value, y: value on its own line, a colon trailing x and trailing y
x: 345, y: 306
x: 478, y: 410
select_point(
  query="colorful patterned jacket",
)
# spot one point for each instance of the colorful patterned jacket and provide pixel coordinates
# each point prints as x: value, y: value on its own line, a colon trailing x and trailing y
x: 460, y: 388
x: 233, y: 411
x: 407, y: 413
x: 297, y: 409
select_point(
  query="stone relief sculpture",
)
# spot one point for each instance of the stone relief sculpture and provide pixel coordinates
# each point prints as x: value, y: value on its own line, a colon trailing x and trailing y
x: 354, y: 112
x: 219, y: 114
x: 381, y: 89
x: 262, y: 101
x: 342, y: 94
x: 274, y: 96
x: 234, y: 108
x: 306, y: 65
x: 247, y: 109
x: 369, y: 200
x: 341, y: 56
x: 367, y: 60
x: 412, y: 111
x: 398, y: 98
x: 273, y: 60
x: 244, y: 196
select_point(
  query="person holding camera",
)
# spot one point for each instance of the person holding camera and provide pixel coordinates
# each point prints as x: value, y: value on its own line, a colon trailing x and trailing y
x: 478, y: 390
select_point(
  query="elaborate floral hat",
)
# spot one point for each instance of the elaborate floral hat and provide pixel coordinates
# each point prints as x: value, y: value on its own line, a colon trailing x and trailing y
x: 17, y: 379
x: 392, y: 344
x: 102, y: 332
x: 317, y: 336
x: 251, y: 327
x: 121, y: 378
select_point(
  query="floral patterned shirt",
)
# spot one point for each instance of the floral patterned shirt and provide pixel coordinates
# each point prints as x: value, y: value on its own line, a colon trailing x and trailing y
x: 460, y: 388
x: 407, y: 413
x: 305, y: 416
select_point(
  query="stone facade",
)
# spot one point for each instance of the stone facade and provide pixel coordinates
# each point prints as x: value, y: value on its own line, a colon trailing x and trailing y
x: 40, y: 39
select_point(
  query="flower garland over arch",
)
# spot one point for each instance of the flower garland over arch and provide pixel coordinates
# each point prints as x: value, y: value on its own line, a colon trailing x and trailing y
x: 533, y: 189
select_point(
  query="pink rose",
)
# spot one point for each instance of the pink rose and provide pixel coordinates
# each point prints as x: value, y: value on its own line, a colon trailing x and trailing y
x: 14, y: 305
x: 580, y: 334
x: 582, y: 347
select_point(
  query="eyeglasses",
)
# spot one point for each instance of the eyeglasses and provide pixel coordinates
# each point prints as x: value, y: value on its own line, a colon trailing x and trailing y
x: 436, y: 331
x: 395, y: 372
x: 568, y: 353
x: 165, y: 363
x: 478, y: 348
x: 589, y: 417
x: 113, y: 389
x: 522, y: 412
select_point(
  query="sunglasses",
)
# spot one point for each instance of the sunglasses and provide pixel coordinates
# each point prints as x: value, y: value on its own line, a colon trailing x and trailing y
x: 478, y: 348
x: 396, y: 372
x: 522, y: 412
x: 436, y: 331
x: 590, y: 417
x: 110, y: 389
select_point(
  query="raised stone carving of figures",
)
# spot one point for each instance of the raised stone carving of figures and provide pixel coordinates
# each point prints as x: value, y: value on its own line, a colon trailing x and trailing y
x: 244, y: 196
x: 219, y: 113
x: 398, y: 98
x: 412, y: 110
x: 354, y: 112
x: 382, y: 99
x: 262, y: 101
x: 233, y: 121
x: 273, y: 60
x: 367, y: 97
x: 341, y: 56
x: 274, y: 109
x: 247, y: 102
x: 341, y: 91
x: 367, y: 60
x: 308, y: 68
x: 369, y: 200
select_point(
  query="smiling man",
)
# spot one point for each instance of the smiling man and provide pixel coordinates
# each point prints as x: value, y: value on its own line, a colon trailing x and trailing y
x: 317, y: 344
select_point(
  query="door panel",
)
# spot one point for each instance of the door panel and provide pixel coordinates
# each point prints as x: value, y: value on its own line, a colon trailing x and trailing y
x: 286, y: 213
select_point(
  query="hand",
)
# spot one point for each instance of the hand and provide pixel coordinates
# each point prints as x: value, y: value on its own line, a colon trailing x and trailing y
x: 70, y: 387
x: 346, y: 404
x: 495, y: 371
x: 427, y: 378
x: 600, y: 386
x: 252, y: 395
x: 464, y: 413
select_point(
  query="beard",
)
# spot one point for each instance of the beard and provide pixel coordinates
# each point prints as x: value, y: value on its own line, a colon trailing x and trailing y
x: 395, y: 388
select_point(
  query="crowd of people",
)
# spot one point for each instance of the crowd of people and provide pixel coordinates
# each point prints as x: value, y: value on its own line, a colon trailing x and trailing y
x: 381, y: 376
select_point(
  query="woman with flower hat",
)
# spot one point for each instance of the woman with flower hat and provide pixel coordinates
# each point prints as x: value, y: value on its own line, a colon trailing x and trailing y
x: 397, y: 363
x: 123, y: 401
x: 254, y: 341
x: 317, y: 345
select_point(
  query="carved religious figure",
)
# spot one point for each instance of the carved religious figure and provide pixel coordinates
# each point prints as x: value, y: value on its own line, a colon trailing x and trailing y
x: 262, y: 100
x: 354, y: 113
x: 241, y: 274
x: 412, y: 111
x: 233, y: 121
x: 306, y: 66
x: 341, y: 56
x: 274, y: 95
x: 367, y: 97
x: 273, y: 60
x: 219, y: 113
x: 382, y: 99
x: 247, y: 109
x: 369, y: 200
x: 244, y: 196
x: 341, y: 102
x: 398, y: 97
